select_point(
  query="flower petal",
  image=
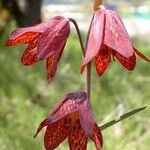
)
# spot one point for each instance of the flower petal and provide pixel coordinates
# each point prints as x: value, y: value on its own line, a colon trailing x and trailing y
x: 128, y: 63
x: 141, y: 55
x: 51, y: 64
x: 77, y: 138
x: 67, y: 105
x: 39, y: 28
x: 23, y: 38
x: 78, y: 103
x: 42, y: 125
x: 29, y: 57
x: 97, y: 137
x: 116, y: 36
x: 56, y: 133
x: 95, y: 37
x: 53, y: 39
x: 102, y: 60
x: 86, y: 115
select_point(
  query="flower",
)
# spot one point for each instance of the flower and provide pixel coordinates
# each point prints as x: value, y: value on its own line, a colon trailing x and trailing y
x: 108, y: 40
x: 72, y: 118
x: 45, y: 41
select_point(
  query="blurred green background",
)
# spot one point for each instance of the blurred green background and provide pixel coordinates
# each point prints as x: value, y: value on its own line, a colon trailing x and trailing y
x: 26, y: 98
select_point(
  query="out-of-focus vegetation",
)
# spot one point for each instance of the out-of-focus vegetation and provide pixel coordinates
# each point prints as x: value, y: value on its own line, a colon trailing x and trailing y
x: 25, y: 12
x: 26, y: 97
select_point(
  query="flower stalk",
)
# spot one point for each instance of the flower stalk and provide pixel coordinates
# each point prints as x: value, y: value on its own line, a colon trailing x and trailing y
x: 88, y: 73
x: 79, y: 34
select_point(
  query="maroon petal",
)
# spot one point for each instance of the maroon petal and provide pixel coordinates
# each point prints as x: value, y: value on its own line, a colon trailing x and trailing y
x: 42, y: 125
x: 51, y: 64
x: 141, y: 55
x: 102, y: 60
x: 128, y: 63
x: 23, y: 38
x: 85, y: 115
x: 75, y: 102
x: 56, y: 133
x: 77, y: 138
x: 116, y: 36
x: 82, y: 68
x: 29, y: 57
x: 95, y: 37
x: 66, y: 106
x: 97, y: 137
x: 39, y: 28
x: 53, y: 39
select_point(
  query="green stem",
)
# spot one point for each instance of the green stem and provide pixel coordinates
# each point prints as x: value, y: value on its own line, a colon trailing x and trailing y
x: 88, y: 74
x: 125, y: 116
x: 79, y: 35
x: 88, y: 78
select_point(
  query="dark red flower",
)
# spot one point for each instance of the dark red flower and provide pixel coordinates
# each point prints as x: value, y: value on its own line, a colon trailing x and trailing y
x: 45, y: 41
x: 108, y: 40
x: 72, y: 118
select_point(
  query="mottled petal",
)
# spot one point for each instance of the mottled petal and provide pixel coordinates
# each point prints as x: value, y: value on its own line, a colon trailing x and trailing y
x: 39, y: 28
x: 120, y: 23
x: 141, y: 55
x: 84, y: 110
x: 77, y: 138
x: 82, y: 68
x: 97, y: 137
x: 29, y: 57
x: 42, y: 125
x: 56, y: 133
x: 78, y: 103
x: 128, y: 63
x: 53, y: 39
x: 95, y: 37
x: 86, y: 116
x: 102, y: 60
x: 116, y: 35
x: 23, y: 38
x: 51, y: 64
x: 67, y: 105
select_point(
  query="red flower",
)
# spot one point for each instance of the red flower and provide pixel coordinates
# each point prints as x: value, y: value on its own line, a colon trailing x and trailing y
x: 45, y: 41
x: 72, y: 118
x: 107, y: 40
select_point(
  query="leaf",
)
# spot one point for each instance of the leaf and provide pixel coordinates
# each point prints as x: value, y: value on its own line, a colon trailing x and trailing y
x: 125, y: 116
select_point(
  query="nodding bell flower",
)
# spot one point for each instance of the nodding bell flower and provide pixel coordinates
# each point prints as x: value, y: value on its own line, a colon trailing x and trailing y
x: 108, y: 40
x: 72, y: 119
x: 44, y: 41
